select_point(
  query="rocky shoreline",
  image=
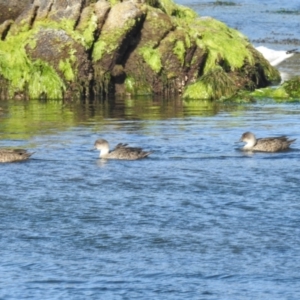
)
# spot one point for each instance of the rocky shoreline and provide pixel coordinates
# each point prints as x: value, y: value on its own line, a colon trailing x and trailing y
x: 94, y: 49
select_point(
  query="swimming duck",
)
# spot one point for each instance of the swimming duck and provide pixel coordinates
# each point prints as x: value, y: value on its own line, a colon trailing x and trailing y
x: 275, y: 57
x: 12, y: 155
x: 121, y: 151
x: 269, y: 144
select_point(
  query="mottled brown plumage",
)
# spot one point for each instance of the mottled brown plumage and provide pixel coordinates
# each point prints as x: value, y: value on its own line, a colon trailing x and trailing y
x: 269, y: 144
x: 121, y: 151
x: 13, y: 155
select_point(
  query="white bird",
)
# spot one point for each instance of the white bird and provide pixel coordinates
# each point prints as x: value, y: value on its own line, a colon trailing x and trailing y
x: 275, y: 57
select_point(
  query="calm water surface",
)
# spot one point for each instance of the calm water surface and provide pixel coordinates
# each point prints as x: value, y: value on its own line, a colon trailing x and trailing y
x: 198, y: 219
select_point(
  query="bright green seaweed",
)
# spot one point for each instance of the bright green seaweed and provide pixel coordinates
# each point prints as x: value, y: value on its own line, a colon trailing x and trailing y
x: 33, y: 77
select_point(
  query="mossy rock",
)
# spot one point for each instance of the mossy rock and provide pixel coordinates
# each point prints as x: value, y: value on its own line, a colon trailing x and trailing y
x: 68, y: 58
x: 143, y: 62
x: 168, y: 7
x: 192, y: 47
x: 271, y: 92
x: 120, y: 26
x: 63, y: 48
x: 243, y: 68
x: 116, y: 37
x: 292, y: 87
x: 91, y: 21
x: 288, y: 91
x: 165, y: 57
x: 69, y: 10
x: 156, y: 26
x: 12, y: 9
x: 216, y: 84
x: 27, y: 78
x: 181, y: 57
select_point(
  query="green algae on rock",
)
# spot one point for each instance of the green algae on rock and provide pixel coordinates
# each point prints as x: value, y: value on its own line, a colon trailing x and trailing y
x: 216, y: 84
x: 27, y: 78
x: 84, y: 49
x: 228, y: 49
x: 287, y: 91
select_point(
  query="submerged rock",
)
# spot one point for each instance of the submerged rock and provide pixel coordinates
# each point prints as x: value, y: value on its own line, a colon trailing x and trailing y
x: 87, y: 49
x: 287, y: 91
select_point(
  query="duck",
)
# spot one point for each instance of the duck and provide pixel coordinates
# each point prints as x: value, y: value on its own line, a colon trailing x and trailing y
x: 121, y: 151
x: 268, y: 144
x: 13, y: 155
x: 275, y: 57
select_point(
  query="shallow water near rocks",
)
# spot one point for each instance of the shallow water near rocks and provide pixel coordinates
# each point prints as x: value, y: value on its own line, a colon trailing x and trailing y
x: 198, y: 219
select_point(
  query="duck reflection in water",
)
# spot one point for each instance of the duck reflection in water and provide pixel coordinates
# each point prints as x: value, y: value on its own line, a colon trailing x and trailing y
x: 268, y: 144
x: 121, y: 151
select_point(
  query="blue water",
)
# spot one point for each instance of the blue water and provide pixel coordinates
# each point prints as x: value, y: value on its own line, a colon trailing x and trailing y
x: 198, y: 219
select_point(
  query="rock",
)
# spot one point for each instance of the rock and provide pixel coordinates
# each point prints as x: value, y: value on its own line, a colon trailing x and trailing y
x: 12, y: 9
x: 120, y: 28
x: 66, y: 56
x: 88, y: 48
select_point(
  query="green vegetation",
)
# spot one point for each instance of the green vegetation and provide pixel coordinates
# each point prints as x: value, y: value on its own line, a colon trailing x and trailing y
x: 152, y: 58
x: 66, y: 67
x: 179, y: 50
x: 288, y: 91
x: 114, y: 2
x: 87, y: 30
x: 226, y: 46
x: 184, y: 12
x: 34, y: 78
x: 216, y: 84
x: 168, y: 6
x: 187, y: 47
x: 110, y: 40
x: 100, y: 48
x: 134, y: 87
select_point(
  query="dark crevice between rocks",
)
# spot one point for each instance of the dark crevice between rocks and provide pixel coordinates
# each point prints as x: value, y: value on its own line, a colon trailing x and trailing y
x: 49, y: 9
x: 190, y: 70
x: 159, y: 83
x: 33, y: 16
x: 78, y: 19
x: 131, y: 42
x: 127, y: 47
x: 96, y: 36
x: 4, y: 29
x: 93, y: 89
x: 164, y: 37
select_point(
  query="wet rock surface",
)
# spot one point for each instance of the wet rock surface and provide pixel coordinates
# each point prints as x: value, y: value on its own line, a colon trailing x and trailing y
x: 97, y: 48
